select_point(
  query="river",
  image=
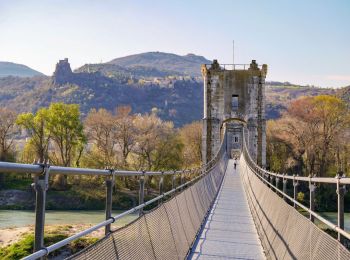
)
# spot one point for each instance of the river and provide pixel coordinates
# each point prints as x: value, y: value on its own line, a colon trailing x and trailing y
x: 21, y: 218
x: 333, y: 217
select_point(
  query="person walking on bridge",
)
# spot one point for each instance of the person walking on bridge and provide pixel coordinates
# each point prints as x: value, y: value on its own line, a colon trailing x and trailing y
x: 235, y: 163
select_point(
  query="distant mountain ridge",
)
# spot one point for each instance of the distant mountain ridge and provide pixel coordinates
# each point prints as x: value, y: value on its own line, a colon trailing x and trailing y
x: 133, y: 80
x: 17, y: 70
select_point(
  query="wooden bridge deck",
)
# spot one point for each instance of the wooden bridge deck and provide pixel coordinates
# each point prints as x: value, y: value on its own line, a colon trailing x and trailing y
x: 230, y: 232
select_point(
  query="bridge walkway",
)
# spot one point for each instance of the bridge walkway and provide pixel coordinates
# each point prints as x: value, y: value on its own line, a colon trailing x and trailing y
x: 230, y: 232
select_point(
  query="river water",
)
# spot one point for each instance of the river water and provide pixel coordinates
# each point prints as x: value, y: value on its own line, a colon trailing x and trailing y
x: 333, y: 217
x: 21, y: 218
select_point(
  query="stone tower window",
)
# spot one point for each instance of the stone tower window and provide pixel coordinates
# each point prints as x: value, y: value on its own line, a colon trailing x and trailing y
x: 236, y: 139
x: 234, y: 103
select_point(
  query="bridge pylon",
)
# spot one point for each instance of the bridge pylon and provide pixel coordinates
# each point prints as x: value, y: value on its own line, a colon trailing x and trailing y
x: 234, y: 95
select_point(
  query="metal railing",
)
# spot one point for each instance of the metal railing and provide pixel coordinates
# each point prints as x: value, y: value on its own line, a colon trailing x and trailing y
x: 42, y: 171
x: 272, y: 180
x: 233, y: 66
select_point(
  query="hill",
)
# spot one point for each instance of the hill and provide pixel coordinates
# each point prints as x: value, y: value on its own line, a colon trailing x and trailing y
x: 17, y: 70
x: 183, y: 65
x: 168, y: 93
x: 178, y: 99
x: 279, y: 96
x: 344, y: 94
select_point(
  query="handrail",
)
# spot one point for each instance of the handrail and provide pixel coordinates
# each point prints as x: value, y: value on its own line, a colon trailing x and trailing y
x: 49, y: 249
x: 21, y: 168
x: 342, y: 180
x: 258, y: 171
x: 206, y: 168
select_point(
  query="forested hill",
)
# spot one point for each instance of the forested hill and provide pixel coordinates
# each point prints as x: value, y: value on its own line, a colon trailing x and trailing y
x: 279, y: 95
x: 141, y: 81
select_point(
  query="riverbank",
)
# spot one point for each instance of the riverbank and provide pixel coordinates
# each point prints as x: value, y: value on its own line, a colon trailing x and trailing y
x: 17, y: 242
x: 10, y: 236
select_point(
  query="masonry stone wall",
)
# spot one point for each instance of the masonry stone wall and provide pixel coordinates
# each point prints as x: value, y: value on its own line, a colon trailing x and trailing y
x: 235, y: 97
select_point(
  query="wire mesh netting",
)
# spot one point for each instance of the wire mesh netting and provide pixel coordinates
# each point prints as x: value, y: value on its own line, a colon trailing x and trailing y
x: 167, y: 231
x: 283, y: 231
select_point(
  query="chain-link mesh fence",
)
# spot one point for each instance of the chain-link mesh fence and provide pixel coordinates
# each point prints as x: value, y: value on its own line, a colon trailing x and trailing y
x: 284, y: 232
x: 167, y: 231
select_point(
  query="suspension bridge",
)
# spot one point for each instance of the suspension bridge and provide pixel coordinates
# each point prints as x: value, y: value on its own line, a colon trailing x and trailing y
x: 230, y: 208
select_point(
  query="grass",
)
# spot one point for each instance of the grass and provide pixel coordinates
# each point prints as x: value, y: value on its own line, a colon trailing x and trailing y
x: 18, y: 250
x: 24, y: 247
x: 17, y: 184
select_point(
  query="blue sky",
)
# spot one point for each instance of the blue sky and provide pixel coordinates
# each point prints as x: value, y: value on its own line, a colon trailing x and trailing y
x: 305, y: 42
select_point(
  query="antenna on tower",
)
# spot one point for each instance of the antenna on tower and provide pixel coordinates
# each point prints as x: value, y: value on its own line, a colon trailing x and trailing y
x: 233, y: 51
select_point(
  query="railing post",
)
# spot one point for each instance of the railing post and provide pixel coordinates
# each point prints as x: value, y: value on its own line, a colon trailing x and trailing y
x: 277, y: 182
x: 271, y: 181
x: 109, y: 192
x: 340, y: 192
x: 40, y: 185
x: 284, y: 188
x: 142, y: 192
x: 312, y: 188
x: 182, y: 178
x: 173, y: 181
x: 295, y: 190
x: 161, y: 185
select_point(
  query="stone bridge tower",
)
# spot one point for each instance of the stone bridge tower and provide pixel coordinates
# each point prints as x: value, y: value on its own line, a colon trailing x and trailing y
x: 235, y: 95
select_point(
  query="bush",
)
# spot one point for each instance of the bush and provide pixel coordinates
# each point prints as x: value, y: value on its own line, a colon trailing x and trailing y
x: 300, y: 197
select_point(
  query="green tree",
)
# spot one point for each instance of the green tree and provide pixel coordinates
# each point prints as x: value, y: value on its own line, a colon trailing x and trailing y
x: 36, y: 127
x: 66, y: 131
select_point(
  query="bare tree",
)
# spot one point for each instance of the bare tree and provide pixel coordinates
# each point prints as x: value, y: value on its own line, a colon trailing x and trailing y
x: 125, y: 132
x: 8, y: 131
x: 191, y: 137
x: 100, y: 128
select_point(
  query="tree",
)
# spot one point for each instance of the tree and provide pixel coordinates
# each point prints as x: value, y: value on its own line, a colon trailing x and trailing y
x: 191, y: 137
x: 333, y: 119
x: 278, y: 152
x: 66, y: 132
x: 168, y: 153
x: 150, y: 132
x: 155, y: 145
x: 125, y: 132
x: 312, y: 128
x: 113, y: 136
x: 8, y: 130
x: 36, y: 127
x: 100, y: 128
